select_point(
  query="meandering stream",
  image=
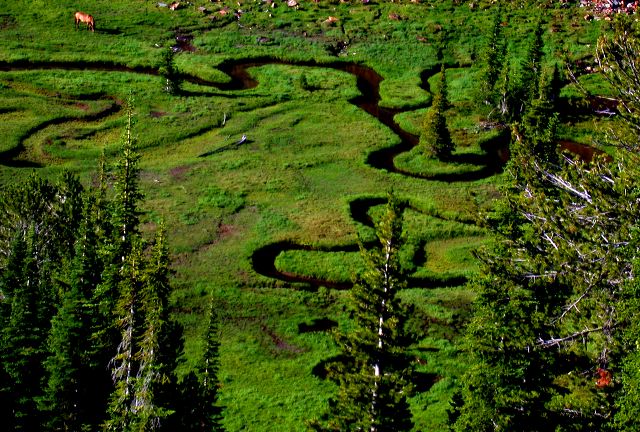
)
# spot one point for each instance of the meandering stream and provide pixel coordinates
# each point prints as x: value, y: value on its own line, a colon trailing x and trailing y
x: 368, y: 82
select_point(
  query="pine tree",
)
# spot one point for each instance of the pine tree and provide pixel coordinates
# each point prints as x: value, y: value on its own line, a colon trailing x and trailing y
x: 126, y: 214
x: 117, y: 223
x: 121, y: 412
x: 616, y: 56
x: 531, y: 69
x: 11, y: 278
x: 169, y: 72
x: 70, y: 195
x: 492, y: 57
x: 154, y: 373
x: 545, y: 327
x: 374, y: 378
x: 627, y: 417
x: 435, y: 138
x: 23, y: 338
x: 71, y: 397
x: 540, y: 124
x: 199, y: 409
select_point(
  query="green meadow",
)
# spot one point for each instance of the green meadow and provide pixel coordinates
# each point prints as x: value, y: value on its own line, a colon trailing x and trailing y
x: 302, y: 178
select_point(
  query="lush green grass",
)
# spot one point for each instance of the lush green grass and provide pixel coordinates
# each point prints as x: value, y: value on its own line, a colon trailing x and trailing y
x: 295, y: 177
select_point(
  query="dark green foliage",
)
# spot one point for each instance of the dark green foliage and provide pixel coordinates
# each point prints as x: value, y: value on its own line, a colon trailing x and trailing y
x: 491, y: 60
x: 72, y: 396
x: 10, y: 281
x: 126, y: 214
x: 627, y: 417
x: 24, y: 334
x: 517, y: 87
x: 435, y: 137
x: 169, y: 72
x: 505, y: 97
x: 374, y: 375
x: 199, y: 409
x: 121, y: 414
x: 540, y: 124
x: 52, y: 211
x: 531, y: 69
x: 79, y: 295
x: 156, y: 368
x: 545, y: 331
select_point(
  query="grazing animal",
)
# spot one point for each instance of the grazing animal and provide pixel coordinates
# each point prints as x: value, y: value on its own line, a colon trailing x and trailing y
x: 87, y: 19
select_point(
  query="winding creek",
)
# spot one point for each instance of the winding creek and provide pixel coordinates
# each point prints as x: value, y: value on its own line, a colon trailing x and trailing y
x: 368, y: 82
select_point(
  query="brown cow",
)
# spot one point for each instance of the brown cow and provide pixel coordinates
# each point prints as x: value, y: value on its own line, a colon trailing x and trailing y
x: 87, y: 19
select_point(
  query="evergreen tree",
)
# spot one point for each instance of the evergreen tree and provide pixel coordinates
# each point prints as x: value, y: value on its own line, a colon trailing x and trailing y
x: 531, y: 69
x: 117, y: 224
x: 504, y: 93
x: 121, y: 412
x: 540, y: 124
x: 70, y: 195
x: 616, y: 56
x: 70, y: 396
x: 545, y: 327
x: 23, y: 339
x: 199, y: 409
x: 627, y: 417
x: 154, y: 373
x: 492, y: 57
x: 126, y: 214
x: 169, y: 72
x: 435, y: 137
x: 374, y: 378
x: 11, y: 278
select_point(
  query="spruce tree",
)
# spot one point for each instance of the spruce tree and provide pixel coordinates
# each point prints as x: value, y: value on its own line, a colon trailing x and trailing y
x: 435, y: 138
x: 11, y: 278
x: 23, y: 339
x: 155, y: 367
x: 199, y: 409
x: 374, y: 377
x: 169, y: 72
x: 124, y: 365
x: 491, y: 60
x: 546, y: 326
x: 531, y: 69
x: 71, y: 398
x: 627, y: 416
x: 117, y: 223
x: 540, y: 124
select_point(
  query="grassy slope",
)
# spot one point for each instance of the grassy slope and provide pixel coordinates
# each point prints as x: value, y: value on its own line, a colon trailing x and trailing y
x: 294, y: 178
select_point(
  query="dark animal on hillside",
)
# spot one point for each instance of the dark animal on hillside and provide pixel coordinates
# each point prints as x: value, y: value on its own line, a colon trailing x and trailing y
x: 85, y: 18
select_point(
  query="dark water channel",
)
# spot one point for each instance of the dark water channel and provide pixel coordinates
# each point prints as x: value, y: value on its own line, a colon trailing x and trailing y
x: 368, y: 83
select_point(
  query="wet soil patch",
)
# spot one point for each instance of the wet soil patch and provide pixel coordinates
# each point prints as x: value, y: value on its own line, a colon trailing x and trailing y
x: 584, y: 152
x: 179, y: 172
x: 157, y: 114
x: 279, y: 343
x: 184, y: 42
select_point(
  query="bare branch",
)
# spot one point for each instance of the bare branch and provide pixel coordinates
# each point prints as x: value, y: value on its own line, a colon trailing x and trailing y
x: 557, y: 341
